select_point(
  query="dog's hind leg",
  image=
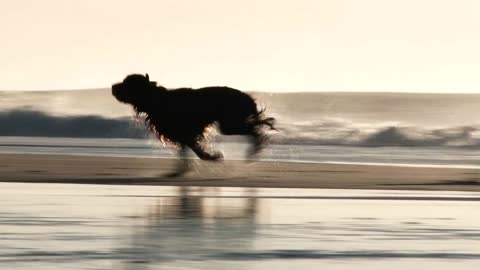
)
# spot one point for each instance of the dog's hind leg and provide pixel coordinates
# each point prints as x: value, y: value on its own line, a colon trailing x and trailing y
x: 258, y: 142
x: 258, y: 136
x: 183, y: 164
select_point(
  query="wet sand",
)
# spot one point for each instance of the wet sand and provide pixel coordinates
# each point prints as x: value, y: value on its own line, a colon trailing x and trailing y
x: 70, y: 226
x: 150, y: 171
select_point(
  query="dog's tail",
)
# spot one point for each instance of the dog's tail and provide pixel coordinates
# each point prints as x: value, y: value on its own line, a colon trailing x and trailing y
x: 261, y: 120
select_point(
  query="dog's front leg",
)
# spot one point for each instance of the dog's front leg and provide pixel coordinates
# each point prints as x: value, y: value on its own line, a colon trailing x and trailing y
x: 183, y: 164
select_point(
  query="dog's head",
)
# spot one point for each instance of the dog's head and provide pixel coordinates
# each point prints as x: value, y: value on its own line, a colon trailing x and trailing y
x: 135, y: 89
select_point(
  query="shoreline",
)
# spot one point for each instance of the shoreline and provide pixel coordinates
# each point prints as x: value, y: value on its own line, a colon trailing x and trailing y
x: 372, y: 164
x: 77, y: 169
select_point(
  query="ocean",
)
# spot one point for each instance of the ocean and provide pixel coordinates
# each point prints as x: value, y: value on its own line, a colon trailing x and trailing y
x: 360, y: 128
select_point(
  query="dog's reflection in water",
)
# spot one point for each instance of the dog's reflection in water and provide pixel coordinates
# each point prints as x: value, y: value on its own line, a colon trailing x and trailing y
x: 191, y: 227
x: 183, y: 116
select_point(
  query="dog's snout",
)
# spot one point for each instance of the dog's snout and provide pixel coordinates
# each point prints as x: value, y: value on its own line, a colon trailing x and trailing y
x: 115, y: 88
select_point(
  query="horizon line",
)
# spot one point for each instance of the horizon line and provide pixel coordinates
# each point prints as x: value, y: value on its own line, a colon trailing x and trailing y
x: 272, y: 92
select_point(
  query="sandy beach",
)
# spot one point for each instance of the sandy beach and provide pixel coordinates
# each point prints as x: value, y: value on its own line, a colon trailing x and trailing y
x: 120, y: 213
x: 150, y: 171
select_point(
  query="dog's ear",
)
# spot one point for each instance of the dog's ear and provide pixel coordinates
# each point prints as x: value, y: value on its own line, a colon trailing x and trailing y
x: 146, y: 76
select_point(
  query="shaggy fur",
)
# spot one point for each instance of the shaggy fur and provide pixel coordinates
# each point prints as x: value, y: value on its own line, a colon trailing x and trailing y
x: 182, y: 116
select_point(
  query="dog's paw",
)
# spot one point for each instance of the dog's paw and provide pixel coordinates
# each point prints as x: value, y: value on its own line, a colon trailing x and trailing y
x: 182, y: 169
x: 175, y: 174
x: 251, y: 158
x: 216, y: 156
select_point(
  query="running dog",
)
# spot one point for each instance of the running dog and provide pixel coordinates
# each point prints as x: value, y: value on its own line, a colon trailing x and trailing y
x: 183, y: 116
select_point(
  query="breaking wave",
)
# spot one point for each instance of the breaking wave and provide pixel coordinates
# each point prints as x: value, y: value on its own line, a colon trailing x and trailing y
x: 25, y: 122
x: 341, y: 132
x: 328, y: 131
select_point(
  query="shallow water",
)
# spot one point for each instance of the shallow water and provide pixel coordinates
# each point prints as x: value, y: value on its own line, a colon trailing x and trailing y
x: 52, y: 226
x: 425, y: 156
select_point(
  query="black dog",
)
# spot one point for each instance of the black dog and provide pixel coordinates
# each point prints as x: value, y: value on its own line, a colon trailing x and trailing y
x: 182, y: 116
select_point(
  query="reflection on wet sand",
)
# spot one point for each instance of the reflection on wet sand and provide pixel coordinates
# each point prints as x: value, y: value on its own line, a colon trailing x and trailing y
x: 134, y: 227
x: 194, y: 226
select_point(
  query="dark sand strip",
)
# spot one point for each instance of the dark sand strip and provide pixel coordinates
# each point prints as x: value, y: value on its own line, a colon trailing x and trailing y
x: 149, y: 171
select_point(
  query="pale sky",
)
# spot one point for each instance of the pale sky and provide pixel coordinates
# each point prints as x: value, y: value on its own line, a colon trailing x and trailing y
x: 266, y: 45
